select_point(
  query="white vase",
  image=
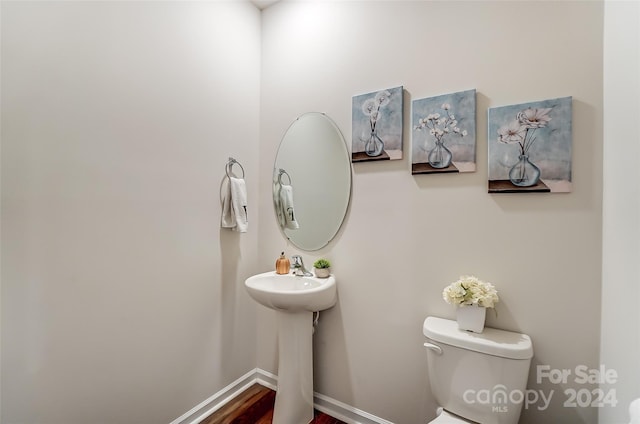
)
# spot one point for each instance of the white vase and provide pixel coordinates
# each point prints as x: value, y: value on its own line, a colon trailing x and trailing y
x: 322, y: 272
x: 471, y: 318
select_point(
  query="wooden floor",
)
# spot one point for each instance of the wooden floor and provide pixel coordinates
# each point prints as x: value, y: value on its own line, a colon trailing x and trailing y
x: 255, y: 406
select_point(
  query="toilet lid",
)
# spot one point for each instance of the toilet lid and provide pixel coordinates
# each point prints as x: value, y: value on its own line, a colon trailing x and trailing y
x: 448, y: 418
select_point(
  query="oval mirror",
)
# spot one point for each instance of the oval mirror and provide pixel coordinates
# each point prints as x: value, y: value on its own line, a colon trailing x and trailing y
x: 311, y: 181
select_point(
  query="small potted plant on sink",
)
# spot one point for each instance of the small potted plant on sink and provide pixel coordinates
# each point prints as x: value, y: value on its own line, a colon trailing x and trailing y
x: 321, y: 268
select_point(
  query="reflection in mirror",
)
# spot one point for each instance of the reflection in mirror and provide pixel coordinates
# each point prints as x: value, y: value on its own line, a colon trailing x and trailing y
x: 283, y: 199
x: 311, y: 181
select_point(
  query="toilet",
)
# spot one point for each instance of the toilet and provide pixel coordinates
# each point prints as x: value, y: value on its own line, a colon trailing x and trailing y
x: 476, y: 377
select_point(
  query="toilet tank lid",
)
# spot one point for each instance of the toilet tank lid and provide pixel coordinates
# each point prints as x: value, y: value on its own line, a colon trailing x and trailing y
x: 491, y: 341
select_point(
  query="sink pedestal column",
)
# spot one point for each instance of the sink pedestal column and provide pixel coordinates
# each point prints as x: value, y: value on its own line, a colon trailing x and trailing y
x: 294, y: 396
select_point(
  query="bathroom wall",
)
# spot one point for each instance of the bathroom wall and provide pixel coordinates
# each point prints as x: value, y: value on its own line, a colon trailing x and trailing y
x: 620, y: 339
x: 406, y: 237
x: 122, y: 300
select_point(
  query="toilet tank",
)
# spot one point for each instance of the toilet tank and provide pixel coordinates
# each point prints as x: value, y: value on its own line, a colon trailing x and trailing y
x: 480, y: 377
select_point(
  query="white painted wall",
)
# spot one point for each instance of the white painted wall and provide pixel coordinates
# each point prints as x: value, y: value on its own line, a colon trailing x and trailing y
x: 122, y: 300
x: 406, y: 236
x: 620, y: 340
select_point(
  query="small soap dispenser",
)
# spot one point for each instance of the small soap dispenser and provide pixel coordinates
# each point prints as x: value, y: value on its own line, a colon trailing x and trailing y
x: 283, y: 265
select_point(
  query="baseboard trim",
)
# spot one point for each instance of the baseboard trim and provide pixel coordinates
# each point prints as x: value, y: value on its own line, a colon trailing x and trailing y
x: 266, y: 379
x: 207, y: 407
x: 344, y: 412
x: 322, y: 403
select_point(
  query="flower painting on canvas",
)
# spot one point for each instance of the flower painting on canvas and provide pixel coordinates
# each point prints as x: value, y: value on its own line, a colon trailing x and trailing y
x: 444, y: 133
x: 377, y: 126
x: 530, y: 147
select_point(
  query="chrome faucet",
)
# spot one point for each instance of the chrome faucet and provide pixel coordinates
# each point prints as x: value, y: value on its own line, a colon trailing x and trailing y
x: 298, y: 267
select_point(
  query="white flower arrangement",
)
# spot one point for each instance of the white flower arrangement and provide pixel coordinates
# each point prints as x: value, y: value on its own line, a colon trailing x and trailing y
x: 440, y: 125
x: 373, y: 144
x: 371, y: 107
x: 521, y: 130
x: 469, y: 290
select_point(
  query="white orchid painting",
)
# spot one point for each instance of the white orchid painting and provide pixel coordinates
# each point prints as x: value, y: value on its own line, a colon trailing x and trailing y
x: 377, y: 125
x: 530, y: 147
x: 444, y: 133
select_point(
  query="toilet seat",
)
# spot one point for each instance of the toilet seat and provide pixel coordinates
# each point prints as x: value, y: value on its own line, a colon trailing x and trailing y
x: 448, y: 418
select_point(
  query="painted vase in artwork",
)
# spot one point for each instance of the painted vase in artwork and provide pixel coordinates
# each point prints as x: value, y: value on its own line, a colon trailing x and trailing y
x: 374, y: 145
x: 440, y: 156
x: 524, y: 173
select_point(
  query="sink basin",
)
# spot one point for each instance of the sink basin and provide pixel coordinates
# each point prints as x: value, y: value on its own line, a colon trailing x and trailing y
x: 294, y: 299
x: 290, y: 293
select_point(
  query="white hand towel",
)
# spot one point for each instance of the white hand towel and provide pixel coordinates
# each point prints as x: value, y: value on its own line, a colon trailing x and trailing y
x: 228, y: 220
x: 234, y: 206
x: 276, y: 199
x: 286, y: 207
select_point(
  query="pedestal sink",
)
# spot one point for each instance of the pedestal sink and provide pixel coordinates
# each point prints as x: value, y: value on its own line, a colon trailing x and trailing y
x: 294, y: 299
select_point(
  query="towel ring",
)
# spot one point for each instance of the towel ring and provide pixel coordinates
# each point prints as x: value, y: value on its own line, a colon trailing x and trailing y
x: 230, y: 165
x: 282, y: 171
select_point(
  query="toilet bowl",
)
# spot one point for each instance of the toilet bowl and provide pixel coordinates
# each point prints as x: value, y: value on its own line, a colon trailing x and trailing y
x: 473, y: 376
x: 445, y: 417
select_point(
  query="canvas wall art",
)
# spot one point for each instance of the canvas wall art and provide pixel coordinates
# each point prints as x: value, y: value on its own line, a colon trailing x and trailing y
x: 444, y: 133
x: 377, y: 125
x: 530, y: 147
